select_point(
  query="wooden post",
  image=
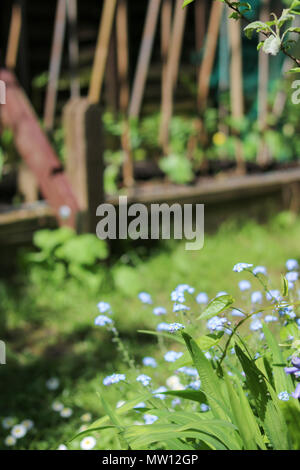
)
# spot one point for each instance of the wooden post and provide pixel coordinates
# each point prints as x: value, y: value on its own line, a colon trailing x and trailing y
x: 123, y: 65
x: 73, y: 48
x: 166, y: 30
x: 84, y: 163
x: 14, y: 36
x: 111, y: 77
x: 263, y: 85
x: 144, y: 58
x: 236, y: 85
x: 200, y: 14
x: 100, y: 60
x: 55, y: 64
x: 27, y: 184
x: 172, y: 73
x: 209, y: 55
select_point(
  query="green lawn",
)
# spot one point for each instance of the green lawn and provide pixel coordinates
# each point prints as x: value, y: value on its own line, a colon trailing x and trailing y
x: 49, y: 329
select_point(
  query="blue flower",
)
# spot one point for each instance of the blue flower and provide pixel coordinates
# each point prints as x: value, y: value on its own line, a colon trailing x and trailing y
x: 177, y: 296
x: 173, y: 327
x: 140, y: 405
x: 238, y: 268
x: 185, y: 288
x: 216, y: 323
x: 283, y: 396
x: 202, y: 298
x: 190, y: 371
x: 150, y: 419
x: 292, y: 264
x: 102, y: 320
x: 163, y: 327
x: 144, y: 379
x: 158, y: 311
x: 273, y: 295
x: 237, y: 313
x: 159, y: 393
x: 270, y: 318
x: 104, y: 307
x: 256, y: 297
x: 296, y: 393
x: 292, y: 276
x: 145, y: 298
x: 244, y: 285
x: 259, y: 270
x: 219, y: 294
x: 176, y: 402
x: 196, y: 385
x: 149, y: 362
x: 172, y: 356
x: 114, y: 379
x: 204, y: 408
x: 256, y: 325
x: 180, y: 308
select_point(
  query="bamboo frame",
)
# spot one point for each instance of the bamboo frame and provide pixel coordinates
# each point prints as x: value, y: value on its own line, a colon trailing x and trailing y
x: 72, y: 13
x: 14, y: 36
x: 209, y: 54
x: 144, y: 58
x: 172, y: 73
x: 55, y: 63
x: 100, y: 60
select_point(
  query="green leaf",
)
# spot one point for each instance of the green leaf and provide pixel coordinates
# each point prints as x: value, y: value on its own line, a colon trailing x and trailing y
x: 244, y: 418
x: 186, y: 2
x: 216, y: 307
x: 210, y: 382
x: 283, y: 382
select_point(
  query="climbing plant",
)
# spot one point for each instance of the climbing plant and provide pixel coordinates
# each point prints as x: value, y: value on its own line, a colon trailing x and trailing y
x: 276, y: 32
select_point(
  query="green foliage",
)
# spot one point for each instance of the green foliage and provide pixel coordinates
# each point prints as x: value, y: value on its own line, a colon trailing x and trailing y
x: 63, y: 255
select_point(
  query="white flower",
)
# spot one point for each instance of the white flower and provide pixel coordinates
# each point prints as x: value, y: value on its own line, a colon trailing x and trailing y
x: 18, y: 431
x: 10, y: 441
x: 62, y: 447
x: 173, y: 383
x: 57, y: 406
x: 8, y: 422
x: 53, y: 383
x: 86, y: 418
x: 88, y: 443
x: 28, y: 424
x: 66, y: 413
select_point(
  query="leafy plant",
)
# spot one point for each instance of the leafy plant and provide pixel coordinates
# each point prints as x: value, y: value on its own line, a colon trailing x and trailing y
x: 241, y: 397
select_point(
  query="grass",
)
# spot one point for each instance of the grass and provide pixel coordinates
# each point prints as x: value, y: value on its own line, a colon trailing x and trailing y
x: 49, y: 331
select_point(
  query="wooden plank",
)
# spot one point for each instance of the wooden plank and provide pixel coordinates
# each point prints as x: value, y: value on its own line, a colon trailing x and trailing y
x: 72, y: 14
x: 144, y: 58
x: 216, y: 190
x: 123, y: 72
x: 209, y: 55
x: 55, y: 64
x: 100, y: 60
x: 84, y: 162
x: 14, y: 36
x: 34, y: 147
x: 172, y: 73
x: 263, y: 155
